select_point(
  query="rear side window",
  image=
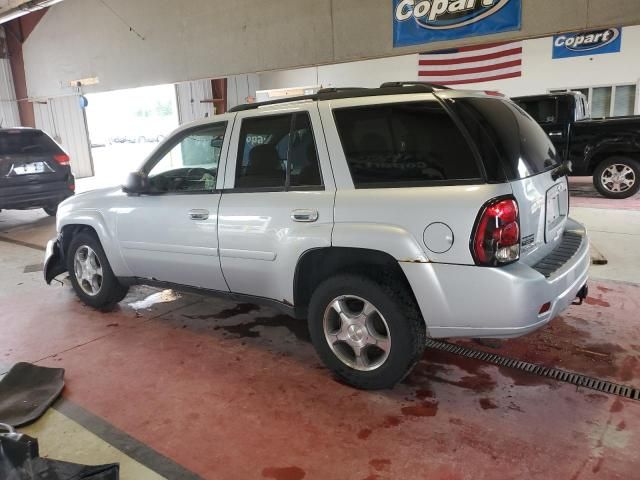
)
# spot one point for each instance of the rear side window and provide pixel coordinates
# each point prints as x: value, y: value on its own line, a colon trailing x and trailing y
x: 524, y: 147
x: 408, y: 144
x: 24, y: 142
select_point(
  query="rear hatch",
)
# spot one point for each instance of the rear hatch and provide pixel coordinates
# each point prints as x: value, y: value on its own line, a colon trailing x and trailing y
x: 529, y: 162
x: 29, y: 156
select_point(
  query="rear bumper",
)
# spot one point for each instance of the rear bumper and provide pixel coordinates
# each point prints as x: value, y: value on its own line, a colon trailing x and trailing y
x: 469, y: 301
x: 34, y: 195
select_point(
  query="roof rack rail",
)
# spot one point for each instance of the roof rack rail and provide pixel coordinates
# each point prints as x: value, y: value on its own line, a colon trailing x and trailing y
x: 427, y: 85
x: 389, y: 88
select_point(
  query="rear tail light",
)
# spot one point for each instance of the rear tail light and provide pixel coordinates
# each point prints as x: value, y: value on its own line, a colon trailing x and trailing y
x: 496, y: 239
x: 62, y: 159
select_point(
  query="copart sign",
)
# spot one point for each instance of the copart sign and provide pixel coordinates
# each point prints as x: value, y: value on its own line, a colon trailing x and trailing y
x: 424, y: 21
x: 590, y: 43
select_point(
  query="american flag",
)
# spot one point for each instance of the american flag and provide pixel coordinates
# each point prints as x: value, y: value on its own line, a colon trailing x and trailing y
x: 480, y: 63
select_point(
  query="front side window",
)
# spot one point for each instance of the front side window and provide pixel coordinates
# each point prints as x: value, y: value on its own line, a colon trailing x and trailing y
x: 403, y: 145
x: 277, y: 152
x: 190, y: 164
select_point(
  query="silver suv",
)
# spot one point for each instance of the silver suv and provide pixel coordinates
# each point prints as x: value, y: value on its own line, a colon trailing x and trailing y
x: 382, y: 216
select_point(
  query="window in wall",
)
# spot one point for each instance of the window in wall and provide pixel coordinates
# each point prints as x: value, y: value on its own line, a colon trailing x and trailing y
x: 608, y: 101
x: 601, y: 102
x: 625, y: 100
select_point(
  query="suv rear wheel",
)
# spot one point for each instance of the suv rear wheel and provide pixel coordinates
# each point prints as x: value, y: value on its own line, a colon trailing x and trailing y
x: 91, y: 275
x: 617, y: 177
x: 368, y: 333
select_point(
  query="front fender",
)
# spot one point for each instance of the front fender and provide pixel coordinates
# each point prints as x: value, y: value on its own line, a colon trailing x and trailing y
x: 94, y: 219
x: 395, y: 241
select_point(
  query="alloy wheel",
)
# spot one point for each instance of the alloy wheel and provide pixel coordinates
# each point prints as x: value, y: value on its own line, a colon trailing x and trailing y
x: 357, y: 333
x: 88, y: 270
x: 618, y: 178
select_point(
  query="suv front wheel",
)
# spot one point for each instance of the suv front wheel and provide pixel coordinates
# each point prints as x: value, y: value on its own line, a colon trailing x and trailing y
x: 91, y: 275
x: 370, y: 334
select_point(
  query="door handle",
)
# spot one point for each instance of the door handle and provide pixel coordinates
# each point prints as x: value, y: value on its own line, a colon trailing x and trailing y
x: 555, y: 134
x: 198, y: 214
x: 304, y: 215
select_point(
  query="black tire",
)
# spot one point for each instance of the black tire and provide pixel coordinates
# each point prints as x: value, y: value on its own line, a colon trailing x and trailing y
x: 406, y: 327
x: 606, y: 189
x: 110, y: 292
x: 52, y: 210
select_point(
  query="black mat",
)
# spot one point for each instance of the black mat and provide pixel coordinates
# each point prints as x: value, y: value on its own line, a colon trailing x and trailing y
x: 27, y: 391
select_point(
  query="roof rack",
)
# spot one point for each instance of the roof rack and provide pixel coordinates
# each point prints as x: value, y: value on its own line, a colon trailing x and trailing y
x: 388, y: 88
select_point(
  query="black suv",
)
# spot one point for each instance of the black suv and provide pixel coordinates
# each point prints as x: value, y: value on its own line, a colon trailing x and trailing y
x: 34, y: 171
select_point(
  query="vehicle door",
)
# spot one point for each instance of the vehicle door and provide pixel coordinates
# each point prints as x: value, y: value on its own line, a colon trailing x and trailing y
x: 278, y: 199
x: 170, y: 233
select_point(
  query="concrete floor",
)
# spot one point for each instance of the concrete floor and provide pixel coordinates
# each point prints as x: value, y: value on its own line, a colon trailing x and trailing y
x: 179, y: 386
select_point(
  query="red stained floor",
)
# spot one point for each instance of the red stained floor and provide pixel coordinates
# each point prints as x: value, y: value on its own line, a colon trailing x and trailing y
x: 235, y: 391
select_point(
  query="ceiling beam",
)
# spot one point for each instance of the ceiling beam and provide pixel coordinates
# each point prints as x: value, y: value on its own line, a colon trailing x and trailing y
x: 12, y: 9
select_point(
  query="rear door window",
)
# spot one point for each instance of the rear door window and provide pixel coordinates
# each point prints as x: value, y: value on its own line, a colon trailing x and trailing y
x: 27, y: 142
x: 406, y: 144
x: 277, y: 152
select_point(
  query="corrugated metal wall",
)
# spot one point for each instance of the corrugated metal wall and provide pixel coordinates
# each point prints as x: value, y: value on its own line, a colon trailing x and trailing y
x: 9, y: 114
x: 239, y: 87
x: 65, y: 121
x: 190, y: 96
x: 194, y: 98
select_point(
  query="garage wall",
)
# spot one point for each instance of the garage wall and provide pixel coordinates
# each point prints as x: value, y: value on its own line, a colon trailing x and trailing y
x: 189, y: 40
x: 9, y: 114
x: 240, y: 87
x: 540, y: 72
x: 65, y: 121
x: 193, y: 100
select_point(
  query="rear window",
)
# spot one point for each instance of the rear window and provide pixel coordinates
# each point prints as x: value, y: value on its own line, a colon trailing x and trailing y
x: 521, y: 143
x: 542, y: 111
x: 406, y: 144
x: 18, y: 142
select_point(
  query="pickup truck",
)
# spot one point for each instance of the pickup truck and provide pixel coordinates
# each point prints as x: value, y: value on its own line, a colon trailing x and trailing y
x: 607, y: 149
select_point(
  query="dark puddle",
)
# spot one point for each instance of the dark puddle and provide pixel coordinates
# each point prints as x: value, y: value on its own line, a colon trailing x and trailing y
x: 239, y: 309
x: 246, y: 330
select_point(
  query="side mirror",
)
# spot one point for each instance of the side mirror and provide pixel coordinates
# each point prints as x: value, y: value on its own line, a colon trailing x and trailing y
x: 136, y: 183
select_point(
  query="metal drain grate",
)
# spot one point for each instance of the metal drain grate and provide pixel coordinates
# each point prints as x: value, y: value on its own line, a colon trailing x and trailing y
x: 541, y: 371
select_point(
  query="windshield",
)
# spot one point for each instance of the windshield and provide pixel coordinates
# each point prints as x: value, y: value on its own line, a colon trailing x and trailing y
x: 524, y: 147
